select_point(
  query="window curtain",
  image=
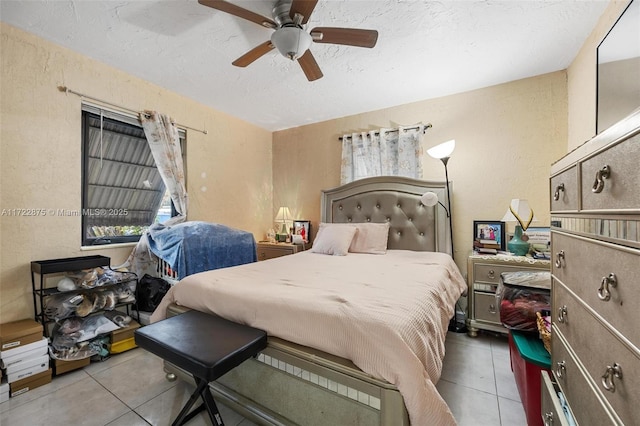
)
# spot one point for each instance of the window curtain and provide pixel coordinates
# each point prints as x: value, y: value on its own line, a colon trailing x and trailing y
x: 164, y: 142
x: 383, y: 152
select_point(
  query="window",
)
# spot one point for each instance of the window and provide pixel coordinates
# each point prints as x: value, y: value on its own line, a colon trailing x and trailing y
x: 122, y: 191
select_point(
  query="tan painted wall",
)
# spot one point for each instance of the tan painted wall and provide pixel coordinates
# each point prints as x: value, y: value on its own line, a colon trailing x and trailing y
x: 581, y: 79
x: 40, y: 157
x: 507, y: 136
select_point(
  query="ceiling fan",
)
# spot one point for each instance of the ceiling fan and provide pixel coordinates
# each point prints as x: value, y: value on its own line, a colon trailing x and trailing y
x: 290, y: 37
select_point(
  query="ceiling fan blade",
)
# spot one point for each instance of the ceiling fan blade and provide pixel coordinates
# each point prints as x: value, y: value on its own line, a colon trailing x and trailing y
x: 310, y: 66
x: 253, y: 54
x: 348, y: 36
x: 225, y: 6
x: 304, y: 8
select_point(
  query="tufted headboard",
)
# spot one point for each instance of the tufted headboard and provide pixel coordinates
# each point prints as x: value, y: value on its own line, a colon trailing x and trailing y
x: 396, y: 200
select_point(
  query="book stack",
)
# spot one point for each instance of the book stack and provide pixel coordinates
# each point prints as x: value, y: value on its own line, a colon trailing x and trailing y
x: 486, y: 246
x: 24, y: 356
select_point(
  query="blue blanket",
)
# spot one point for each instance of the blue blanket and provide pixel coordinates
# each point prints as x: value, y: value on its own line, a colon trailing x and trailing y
x: 192, y: 247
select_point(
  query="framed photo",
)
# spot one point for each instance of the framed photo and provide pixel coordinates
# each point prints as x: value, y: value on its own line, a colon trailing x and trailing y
x: 489, y: 235
x: 302, y: 228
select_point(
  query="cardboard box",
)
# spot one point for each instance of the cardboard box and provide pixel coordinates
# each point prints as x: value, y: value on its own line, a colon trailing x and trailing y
x: 26, y: 364
x: 19, y: 333
x: 30, y: 351
x: 31, y: 368
x: 29, y: 383
x: 122, y: 346
x: 4, y: 392
x: 124, y: 333
x: 60, y: 366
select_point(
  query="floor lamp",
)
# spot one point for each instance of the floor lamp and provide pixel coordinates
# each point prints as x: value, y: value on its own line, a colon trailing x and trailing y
x: 443, y: 153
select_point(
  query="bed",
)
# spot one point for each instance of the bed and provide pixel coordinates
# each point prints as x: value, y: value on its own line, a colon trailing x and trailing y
x: 346, y: 346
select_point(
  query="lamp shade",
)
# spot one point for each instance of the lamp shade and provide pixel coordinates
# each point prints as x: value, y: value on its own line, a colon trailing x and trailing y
x: 443, y: 150
x: 429, y: 199
x: 283, y: 214
x: 519, y: 211
x: 291, y: 42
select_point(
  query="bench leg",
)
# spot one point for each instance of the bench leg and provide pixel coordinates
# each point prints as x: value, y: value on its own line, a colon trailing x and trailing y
x: 202, y: 390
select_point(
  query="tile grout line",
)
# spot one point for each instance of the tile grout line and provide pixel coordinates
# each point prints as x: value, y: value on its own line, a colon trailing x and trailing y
x: 131, y: 410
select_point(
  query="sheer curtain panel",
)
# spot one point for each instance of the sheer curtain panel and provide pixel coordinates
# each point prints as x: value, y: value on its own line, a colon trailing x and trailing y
x: 382, y: 152
x: 164, y: 141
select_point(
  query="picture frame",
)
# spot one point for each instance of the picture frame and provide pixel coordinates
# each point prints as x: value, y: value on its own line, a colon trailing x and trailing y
x: 539, y: 235
x: 489, y: 236
x: 302, y: 228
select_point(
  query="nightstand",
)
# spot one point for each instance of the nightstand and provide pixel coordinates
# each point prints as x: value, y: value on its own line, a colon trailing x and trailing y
x: 483, y: 277
x: 267, y: 250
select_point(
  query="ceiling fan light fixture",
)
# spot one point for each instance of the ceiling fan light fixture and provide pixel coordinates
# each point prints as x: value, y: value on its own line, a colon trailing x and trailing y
x: 291, y: 42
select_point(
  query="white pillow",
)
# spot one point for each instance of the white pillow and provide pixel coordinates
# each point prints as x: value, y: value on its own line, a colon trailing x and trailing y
x: 371, y: 238
x: 333, y: 240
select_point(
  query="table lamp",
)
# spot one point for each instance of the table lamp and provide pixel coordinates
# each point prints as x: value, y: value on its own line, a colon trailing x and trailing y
x: 283, y: 216
x: 520, y: 212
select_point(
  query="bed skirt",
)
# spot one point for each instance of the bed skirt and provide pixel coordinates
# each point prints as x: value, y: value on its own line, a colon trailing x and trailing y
x: 289, y: 384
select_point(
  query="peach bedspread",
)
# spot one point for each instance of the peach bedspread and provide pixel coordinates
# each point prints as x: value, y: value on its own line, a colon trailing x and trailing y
x: 388, y: 313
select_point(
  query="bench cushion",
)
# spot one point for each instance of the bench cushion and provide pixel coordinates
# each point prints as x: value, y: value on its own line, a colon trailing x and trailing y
x: 205, y: 345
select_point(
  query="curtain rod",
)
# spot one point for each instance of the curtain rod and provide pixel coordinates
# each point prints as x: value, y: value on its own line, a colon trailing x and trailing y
x: 65, y: 89
x: 426, y: 126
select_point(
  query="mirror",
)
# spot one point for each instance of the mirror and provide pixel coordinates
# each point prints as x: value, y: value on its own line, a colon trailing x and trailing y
x: 618, y: 81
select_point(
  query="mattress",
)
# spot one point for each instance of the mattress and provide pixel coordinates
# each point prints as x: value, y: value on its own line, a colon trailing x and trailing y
x: 388, y: 314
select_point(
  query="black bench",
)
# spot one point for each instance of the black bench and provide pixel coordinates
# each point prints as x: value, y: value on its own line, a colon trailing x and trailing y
x: 206, y: 346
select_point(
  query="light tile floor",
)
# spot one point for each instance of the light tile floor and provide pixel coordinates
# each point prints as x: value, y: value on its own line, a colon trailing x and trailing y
x: 130, y: 389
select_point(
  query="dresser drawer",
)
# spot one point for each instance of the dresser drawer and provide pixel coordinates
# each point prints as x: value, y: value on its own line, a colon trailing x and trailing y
x: 597, y: 349
x: 486, y: 308
x: 550, y: 408
x: 583, y: 401
x: 586, y: 263
x: 620, y: 189
x: 564, y: 190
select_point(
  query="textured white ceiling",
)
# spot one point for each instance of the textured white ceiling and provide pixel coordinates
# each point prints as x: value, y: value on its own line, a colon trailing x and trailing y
x: 425, y: 49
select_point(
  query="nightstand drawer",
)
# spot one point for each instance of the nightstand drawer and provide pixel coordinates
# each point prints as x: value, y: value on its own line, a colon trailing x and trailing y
x: 267, y: 251
x: 486, y: 308
x: 490, y: 274
x: 270, y: 253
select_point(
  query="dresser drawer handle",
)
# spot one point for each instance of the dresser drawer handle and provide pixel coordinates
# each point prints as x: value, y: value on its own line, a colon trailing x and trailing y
x: 559, y: 259
x: 548, y: 418
x: 560, y: 369
x: 601, y: 175
x: 556, y: 195
x: 562, y: 314
x: 491, y: 274
x: 603, y: 292
x: 612, y: 372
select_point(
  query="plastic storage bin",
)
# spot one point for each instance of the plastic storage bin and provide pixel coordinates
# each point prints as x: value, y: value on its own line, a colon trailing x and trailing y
x: 528, y: 359
x: 520, y: 295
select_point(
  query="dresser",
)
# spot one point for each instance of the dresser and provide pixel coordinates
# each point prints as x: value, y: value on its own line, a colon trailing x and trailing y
x: 268, y: 250
x: 595, y: 244
x: 483, y: 277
